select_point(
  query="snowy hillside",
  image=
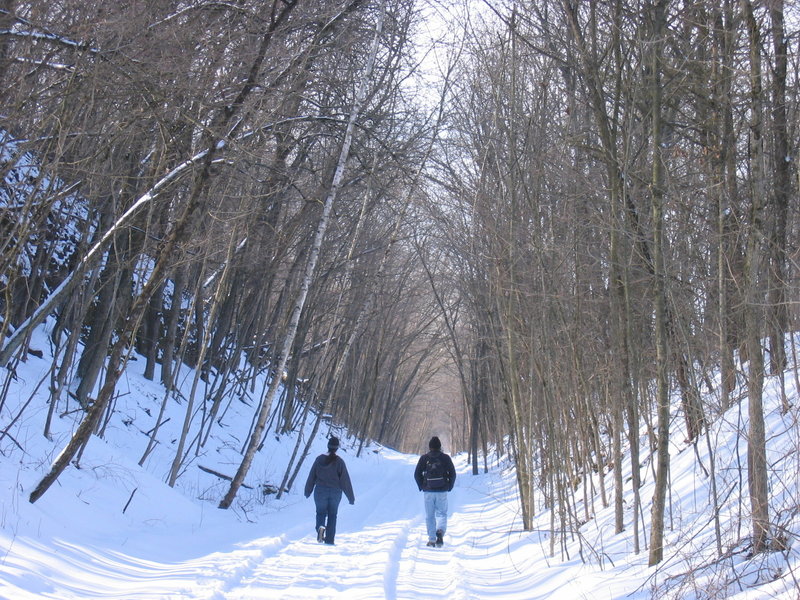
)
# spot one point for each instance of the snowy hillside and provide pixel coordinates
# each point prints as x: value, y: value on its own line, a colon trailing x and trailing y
x: 112, y: 529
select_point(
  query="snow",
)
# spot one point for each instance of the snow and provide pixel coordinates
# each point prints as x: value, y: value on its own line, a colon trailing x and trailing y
x: 113, y: 529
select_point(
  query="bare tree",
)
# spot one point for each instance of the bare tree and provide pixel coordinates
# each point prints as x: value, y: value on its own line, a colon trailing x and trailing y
x: 754, y: 296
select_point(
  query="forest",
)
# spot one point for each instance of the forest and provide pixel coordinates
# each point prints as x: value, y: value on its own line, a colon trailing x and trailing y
x: 573, y: 208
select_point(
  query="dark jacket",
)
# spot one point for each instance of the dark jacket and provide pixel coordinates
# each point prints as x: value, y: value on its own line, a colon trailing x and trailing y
x: 450, y: 471
x: 332, y: 475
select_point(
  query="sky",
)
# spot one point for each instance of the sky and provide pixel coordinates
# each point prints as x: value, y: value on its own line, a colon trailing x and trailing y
x: 112, y: 529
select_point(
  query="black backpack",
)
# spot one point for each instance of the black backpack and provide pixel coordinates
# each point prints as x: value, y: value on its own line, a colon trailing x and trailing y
x: 435, y: 473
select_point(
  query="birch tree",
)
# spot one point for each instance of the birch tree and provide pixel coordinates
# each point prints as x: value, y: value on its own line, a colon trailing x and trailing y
x: 297, y: 308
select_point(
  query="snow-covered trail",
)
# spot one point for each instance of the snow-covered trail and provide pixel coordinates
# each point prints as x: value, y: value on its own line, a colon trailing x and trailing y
x: 380, y: 550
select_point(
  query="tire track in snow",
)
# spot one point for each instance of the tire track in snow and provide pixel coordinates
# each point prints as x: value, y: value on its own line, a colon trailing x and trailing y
x: 392, y: 572
x: 431, y: 573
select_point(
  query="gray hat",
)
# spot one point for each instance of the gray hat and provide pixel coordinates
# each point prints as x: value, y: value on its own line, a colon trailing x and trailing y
x: 333, y: 443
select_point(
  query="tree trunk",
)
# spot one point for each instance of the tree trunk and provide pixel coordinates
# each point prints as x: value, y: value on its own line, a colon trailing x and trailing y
x: 756, y: 442
x: 724, y: 189
x: 782, y: 188
x: 6, y: 21
x: 152, y: 333
x: 662, y: 357
x: 102, y: 324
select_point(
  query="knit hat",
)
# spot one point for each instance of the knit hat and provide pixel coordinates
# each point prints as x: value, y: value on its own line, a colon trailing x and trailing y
x: 333, y: 443
x: 435, y: 443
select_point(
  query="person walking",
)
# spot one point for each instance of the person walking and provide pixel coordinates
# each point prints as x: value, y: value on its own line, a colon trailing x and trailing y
x: 328, y: 479
x: 435, y: 476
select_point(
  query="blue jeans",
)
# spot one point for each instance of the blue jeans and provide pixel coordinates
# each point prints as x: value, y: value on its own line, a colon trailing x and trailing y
x: 327, y: 500
x: 435, y: 513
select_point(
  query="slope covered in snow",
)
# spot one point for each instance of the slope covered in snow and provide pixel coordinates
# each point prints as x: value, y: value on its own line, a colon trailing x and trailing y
x: 113, y: 529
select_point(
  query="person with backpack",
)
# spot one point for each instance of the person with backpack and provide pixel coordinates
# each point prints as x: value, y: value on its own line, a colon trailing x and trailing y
x: 435, y: 476
x: 328, y: 479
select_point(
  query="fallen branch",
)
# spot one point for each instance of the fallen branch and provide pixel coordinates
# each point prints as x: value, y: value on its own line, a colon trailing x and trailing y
x: 128, y: 503
x: 221, y: 475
